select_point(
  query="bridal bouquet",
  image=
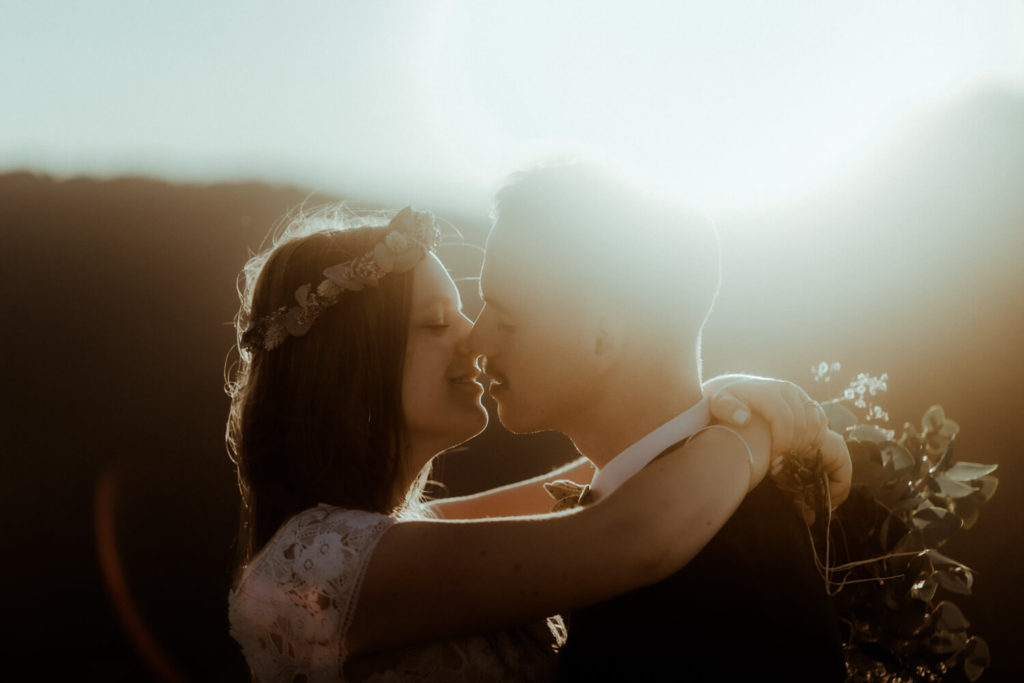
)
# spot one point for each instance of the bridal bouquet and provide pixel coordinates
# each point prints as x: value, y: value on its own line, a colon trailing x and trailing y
x: 879, y: 551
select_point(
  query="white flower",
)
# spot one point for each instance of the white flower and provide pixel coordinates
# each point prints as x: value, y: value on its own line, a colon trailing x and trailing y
x: 275, y: 335
x: 343, y: 276
x: 409, y: 258
x: 302, y: 295
x: 397, y: 242
x: 384, y: 257
x: 328, y: 289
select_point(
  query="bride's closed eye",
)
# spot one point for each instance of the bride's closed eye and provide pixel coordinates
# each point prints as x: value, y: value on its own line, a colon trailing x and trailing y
x: 437, y: 322
x: 440, y: 321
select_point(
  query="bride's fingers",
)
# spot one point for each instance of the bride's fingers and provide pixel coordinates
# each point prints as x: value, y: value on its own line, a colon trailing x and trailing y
x: 725, y: 407
x: 796, y: 424
x: 797, y: 438
x: 814, y: 425
x: 817, y: 423
x: 809, y: 424
x: 837, y: 465
x: 780, y: 416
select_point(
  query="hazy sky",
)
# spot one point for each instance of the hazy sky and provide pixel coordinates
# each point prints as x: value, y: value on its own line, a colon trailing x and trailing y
x: 735, y: 102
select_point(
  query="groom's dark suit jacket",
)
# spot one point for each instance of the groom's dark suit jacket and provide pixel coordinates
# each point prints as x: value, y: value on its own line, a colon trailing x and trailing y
x: 751, y: 606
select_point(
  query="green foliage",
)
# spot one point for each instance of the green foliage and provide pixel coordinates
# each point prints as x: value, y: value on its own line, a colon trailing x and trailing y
x: 890, y: 584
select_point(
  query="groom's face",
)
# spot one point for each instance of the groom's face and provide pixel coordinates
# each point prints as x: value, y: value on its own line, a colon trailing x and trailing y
x: 535, y: 337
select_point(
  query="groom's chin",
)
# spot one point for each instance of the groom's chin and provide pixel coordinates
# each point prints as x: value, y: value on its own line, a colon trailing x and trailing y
x: 516, y: 422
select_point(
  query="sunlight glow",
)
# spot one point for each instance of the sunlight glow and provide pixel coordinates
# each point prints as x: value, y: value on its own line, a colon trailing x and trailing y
x: 738, y: 102
x: 735, y: 102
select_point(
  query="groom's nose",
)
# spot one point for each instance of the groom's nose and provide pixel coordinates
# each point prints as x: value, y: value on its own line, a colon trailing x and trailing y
x: 465, y: 329
x: 477, y: 339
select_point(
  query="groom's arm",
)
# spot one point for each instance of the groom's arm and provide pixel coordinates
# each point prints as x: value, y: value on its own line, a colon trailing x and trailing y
x: 520, y: 498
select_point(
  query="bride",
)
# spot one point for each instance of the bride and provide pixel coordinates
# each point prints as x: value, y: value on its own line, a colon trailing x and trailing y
x: 355, y: 372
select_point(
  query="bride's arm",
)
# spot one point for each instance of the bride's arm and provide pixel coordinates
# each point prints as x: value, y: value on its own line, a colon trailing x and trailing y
x: 527, y: 497
x: 430, y: 579
x: 797, y: 424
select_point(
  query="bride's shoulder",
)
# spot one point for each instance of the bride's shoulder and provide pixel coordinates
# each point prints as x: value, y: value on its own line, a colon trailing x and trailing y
x: 301, y: 588
x: 324, y: 537
x: 326, y: 517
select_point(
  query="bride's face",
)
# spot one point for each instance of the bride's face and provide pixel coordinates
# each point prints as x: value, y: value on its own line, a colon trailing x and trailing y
x: 440, y: 392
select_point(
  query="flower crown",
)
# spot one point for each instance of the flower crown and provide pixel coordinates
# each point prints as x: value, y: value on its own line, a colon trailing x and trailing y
x: 412, y: 235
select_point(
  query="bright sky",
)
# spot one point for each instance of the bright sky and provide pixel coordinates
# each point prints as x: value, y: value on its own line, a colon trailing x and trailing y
x: 734, y: 102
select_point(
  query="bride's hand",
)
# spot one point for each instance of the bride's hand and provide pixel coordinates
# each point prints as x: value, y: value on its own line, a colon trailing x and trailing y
x: 798, y: 423
x: 836, y: 461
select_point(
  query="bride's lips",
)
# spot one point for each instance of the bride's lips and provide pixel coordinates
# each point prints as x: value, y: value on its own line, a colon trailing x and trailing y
x: 470, y: 379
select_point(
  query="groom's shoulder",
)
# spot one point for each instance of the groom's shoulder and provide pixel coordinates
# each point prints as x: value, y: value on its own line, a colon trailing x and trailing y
x: 753, y: 589
x: 763, y: 543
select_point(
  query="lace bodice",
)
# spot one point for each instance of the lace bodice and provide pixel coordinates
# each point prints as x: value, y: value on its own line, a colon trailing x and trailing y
x: 295, y: 601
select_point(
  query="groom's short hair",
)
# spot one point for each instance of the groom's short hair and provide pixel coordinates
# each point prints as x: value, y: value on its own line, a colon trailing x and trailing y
x: 603, y: 234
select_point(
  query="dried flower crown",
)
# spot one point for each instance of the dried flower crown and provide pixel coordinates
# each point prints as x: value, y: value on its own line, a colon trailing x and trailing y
x: 412, y: 235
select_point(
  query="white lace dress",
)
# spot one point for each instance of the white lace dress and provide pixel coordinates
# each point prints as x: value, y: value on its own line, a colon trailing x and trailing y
x: 295, y: 601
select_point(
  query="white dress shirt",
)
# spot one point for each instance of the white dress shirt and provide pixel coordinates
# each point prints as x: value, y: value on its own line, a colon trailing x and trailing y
x: 639, y: 454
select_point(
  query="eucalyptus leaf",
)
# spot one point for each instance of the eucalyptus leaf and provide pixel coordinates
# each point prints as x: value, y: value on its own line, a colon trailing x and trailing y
x: 976, y: 658
x: 938, y: 558
x: 901, y: 458
x: 952, y: 487
x: 840, y: 418
x: 950, y: 616
x: 933, y: 418
x: 969, y: 471
x: 950, y: 428
x: 938, y: 444
x: 941, y: 530
x: 988, y: 487
x: 927, y: 515
x: 952, y: 581
x: 910, y: 542
x: 892, y: 492
x: 867, y: 465
x: 866, y: 432
x: 967, y: 510
x: 970, y: 518
x: 945, y: 642
x: 925, y: 589
x: 909, y: 504
x: 918, y: 566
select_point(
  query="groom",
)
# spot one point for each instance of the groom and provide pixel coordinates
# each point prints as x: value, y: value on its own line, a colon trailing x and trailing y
x: 595, y: 295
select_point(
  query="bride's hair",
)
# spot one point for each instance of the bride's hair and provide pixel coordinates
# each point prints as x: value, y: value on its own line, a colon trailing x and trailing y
x: 319, y: 418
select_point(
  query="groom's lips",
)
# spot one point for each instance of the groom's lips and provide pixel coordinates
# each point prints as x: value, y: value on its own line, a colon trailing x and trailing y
x: 495, y: 382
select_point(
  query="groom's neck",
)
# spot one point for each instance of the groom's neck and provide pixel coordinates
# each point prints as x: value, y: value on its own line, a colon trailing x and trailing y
x: 633, y: 406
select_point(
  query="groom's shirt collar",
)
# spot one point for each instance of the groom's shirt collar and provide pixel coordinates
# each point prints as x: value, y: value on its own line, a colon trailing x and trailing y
x: 639, y: 454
